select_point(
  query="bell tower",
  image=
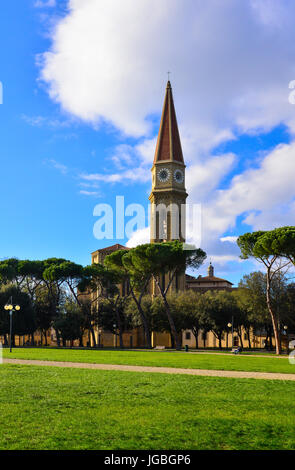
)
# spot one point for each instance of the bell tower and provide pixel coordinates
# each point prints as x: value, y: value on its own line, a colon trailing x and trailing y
x: 168, y: 195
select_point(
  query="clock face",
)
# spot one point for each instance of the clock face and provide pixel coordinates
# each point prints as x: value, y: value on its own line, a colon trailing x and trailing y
x: 163, y: 175
x: 178, y: 176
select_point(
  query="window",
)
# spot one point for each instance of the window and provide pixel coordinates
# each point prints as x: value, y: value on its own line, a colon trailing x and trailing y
x: 187, y: 335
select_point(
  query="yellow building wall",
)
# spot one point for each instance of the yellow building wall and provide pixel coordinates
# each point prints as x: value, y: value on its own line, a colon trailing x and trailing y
x: 161, y: 339
x: 212, y: 342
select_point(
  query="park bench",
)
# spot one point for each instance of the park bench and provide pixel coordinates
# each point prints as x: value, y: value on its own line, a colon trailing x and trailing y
x: 159, y: 347
x: 236, y: 350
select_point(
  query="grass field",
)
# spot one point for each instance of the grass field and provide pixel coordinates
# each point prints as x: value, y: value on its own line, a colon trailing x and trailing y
x: 159, y: 359
x: 55, y: 408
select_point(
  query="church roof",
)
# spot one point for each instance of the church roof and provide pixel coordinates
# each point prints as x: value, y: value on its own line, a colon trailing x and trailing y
x: 168, y: 144
x: 115, y: 247
x: 206, y: 279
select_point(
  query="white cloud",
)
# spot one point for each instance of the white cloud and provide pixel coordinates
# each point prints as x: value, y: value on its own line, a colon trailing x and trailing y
x: 139, y: 238
x: 224, y: 259
x: 40, y: 121
x: 202, y: 178
x: 45, y: 3
x: 90, y: 193
x: 58, y: 166
x: 134, y: 175
x: 108, y: 63
x: 229, y: 239
x: 265, y: 188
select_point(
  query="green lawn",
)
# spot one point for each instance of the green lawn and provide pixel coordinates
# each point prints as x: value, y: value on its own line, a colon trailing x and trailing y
x: 159, y: 359
x: 56, y: 408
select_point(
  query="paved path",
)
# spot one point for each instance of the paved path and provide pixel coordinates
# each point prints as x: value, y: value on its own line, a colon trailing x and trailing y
x: 162, y: 370
x: 272, y: 356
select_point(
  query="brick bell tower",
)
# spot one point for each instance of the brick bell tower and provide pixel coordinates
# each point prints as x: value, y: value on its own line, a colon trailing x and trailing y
x: 168, y: 195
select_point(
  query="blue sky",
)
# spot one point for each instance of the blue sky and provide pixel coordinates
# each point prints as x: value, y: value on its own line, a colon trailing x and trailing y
x: 84, y: 83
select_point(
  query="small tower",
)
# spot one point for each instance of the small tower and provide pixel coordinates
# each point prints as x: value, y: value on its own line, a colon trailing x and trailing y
x: 168, y: 194
x: 210, y: 270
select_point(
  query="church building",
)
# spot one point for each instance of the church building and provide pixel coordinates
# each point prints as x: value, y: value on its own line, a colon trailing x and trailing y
x: 168, y: 220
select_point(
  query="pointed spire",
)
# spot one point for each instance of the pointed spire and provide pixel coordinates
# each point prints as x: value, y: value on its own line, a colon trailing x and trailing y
x: 168, y: 144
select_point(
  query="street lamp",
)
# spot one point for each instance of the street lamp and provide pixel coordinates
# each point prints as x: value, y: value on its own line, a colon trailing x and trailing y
x: 115, y: 330
x: 11, y: 308
x: 228, y: 326
x: 231, y: 325
x: 287, y: 337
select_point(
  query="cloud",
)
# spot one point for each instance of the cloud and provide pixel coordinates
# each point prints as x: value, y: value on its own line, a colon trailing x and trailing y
x: 58, y: 166
x: 134, y: 175
x: 203, y: 177
x: 45, y: 3
x: 90, y: 193
x: 257, y: 191
x: 40, y: 121
x: 229, y: 239
x: 123, y: 156
x: 139, y: 237
x: 107, y: 63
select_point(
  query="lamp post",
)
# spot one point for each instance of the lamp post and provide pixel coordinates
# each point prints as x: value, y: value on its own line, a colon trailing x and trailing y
x: 115, y: 330
x: 231, y: 325
x: 11, y: 308
x: 287, y: 337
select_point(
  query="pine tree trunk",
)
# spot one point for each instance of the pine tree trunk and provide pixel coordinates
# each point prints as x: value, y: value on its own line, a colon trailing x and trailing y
x: 170, y: 318
x: 119, y: 323
x: 172, y: 341
x: 93, y: 336
x: 196, y: 334
x: 273, y: 317
x: 147, y: 333
x: 57, y: 338
x: 241, y: 337
x: 172, y: 325
x: 248, y: 337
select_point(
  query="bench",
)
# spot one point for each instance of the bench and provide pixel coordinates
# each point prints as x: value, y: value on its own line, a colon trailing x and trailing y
x: 159, y: 347
x: 236, y: 350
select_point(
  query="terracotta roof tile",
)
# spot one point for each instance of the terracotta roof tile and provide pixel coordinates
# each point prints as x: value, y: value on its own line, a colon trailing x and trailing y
x: 206, y: 279
x: 168, y: 143
x: 115, y: 247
